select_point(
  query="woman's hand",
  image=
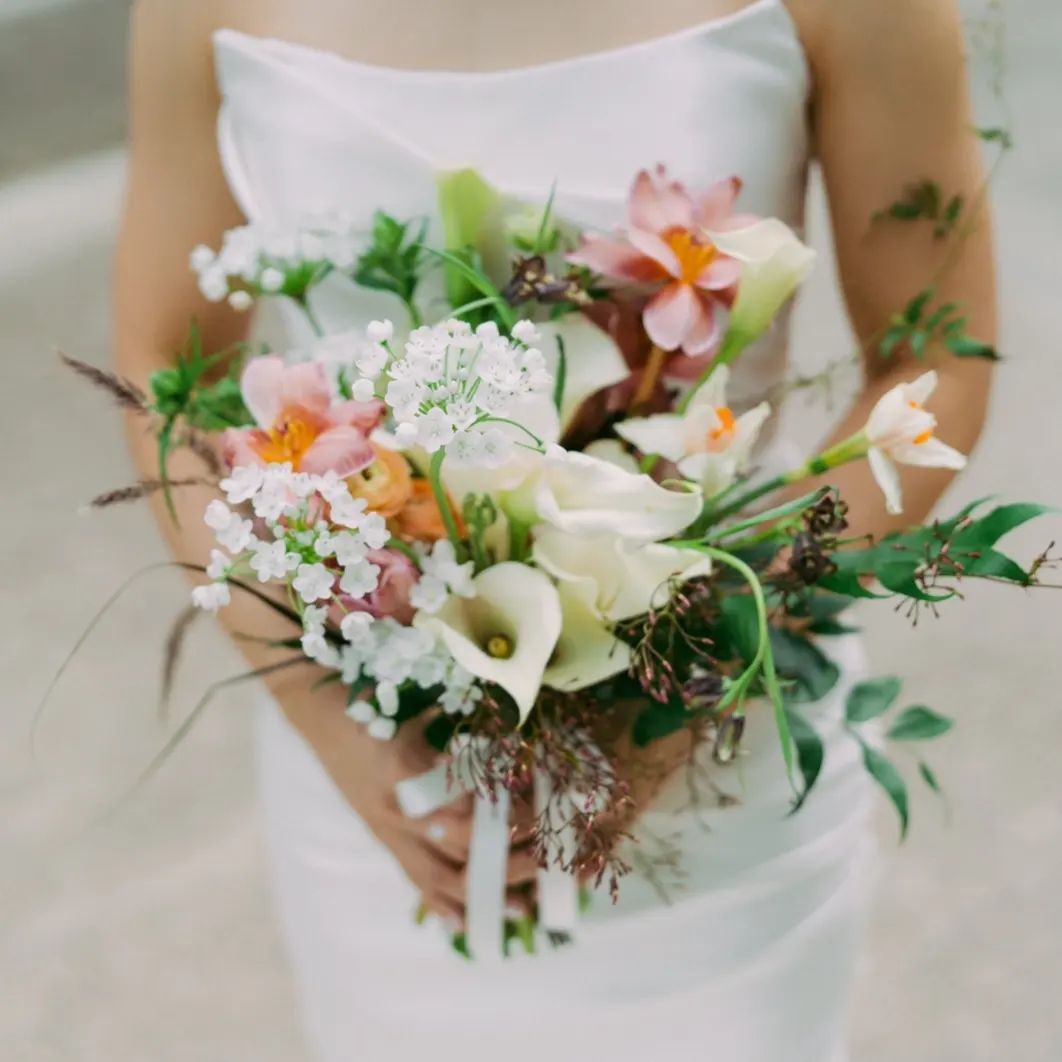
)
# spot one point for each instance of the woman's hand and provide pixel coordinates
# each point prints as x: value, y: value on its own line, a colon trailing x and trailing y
x: 433, y: 851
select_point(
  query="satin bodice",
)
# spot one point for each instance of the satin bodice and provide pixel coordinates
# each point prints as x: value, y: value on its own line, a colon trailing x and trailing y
x: 305, y: 132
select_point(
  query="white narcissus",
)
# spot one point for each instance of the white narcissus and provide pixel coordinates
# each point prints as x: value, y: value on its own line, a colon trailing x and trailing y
x: 900, y: 430
x: 708, y: 443
x: 587, y: 651
x: 621, y: 578
x: 507, y: 633
x: 582, y: 494
x: 774, y: 263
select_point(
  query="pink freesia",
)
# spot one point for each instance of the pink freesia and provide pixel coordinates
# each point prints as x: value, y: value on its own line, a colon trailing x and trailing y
x: 299, y: 421
x: 398, y: 576
x: 667, y: 245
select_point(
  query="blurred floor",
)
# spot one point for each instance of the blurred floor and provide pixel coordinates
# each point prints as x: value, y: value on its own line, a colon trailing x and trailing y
x: 149, y: 935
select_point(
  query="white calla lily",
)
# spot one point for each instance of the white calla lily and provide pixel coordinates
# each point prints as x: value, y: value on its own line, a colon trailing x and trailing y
x: 709, y: 444
x: 587, y: 651
x: 774, y: 262
x: 614, y: 452
x: 582, y: 494
x: 592, y: 361
x: 900, y: 430
x: 621, y: 578
x: 507, y: 633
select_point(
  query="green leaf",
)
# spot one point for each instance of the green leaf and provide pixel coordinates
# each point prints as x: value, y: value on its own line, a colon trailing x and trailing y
x: 561, y: 375
x: 829, y: 628
x: 810, y: 753
x: 802, y: 663
x: 886, y: 775
x: 899, y: 577
x: 659, y: 721
x: 919, y: 723
x: 847, y: 584
x: 995, y: 565
x: 964, y: 346
x: 986, y: 531
x: 912, y: 313
x: 868, y: 700
x: 740, y: 623
x: 929, y: 777
x: 995, y: 134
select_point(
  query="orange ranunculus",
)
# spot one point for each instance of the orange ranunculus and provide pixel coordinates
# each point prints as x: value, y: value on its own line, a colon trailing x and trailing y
x: 386, y: 484
x: 420, y: 519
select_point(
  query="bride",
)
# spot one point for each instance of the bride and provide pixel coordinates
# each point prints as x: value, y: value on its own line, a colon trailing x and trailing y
x: 744, y: 951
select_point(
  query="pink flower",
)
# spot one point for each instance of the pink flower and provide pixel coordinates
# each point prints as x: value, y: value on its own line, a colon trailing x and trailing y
x: 398, y: 576
x: 668, y: 243
x: 300, y: 421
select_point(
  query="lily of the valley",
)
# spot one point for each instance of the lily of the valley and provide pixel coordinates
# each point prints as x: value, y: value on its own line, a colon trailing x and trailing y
x: 708, y: 443
x: 506, y: 633
x: 900, y: 430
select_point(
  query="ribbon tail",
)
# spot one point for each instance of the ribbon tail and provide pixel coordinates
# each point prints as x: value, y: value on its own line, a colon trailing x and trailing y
x: 488, y: 862
x: 558, y: 890
x: 420, y: 796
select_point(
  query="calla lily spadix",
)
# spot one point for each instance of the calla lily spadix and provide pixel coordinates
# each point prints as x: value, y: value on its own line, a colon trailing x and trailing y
x: 900, y: 430
x: 507, y: 633
x: 708, y: 443
x: 587, y: 651
x: 621, y: 578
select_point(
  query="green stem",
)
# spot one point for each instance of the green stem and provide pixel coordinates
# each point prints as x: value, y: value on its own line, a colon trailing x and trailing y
x: 733, y: 345
x: 415, y: 318
x: 443, y: 502
x: 763, y: 661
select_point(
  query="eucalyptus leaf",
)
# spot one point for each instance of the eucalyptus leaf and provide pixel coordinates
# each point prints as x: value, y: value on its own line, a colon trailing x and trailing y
x: 919, y: 723
x: 929, y: 777
x: 810, y: 753
x: 890, y: 780
x: 868, y: 700
x: 799, y: 661
x: 740, y: 622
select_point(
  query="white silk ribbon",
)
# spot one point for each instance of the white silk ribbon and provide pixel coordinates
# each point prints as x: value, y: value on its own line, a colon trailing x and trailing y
x: 488, y: 857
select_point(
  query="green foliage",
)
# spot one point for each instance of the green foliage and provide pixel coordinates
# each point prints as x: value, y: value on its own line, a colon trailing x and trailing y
x: 995, y: 135
x: 924, y: 201
x: 801, y: 664
x: 868, y: 700
x: 658, y: 721
x: 467, y: 204
x: 891, y: 781
x: 919, y: 723
x: 394, y: 260
x: 810, y: 754
x: 187, y: 393
x: 917, y: 328
x: 739, y: 632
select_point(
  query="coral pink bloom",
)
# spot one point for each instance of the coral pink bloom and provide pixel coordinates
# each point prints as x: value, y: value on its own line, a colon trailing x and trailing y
x: 299, y: 421
x: 667, y: 242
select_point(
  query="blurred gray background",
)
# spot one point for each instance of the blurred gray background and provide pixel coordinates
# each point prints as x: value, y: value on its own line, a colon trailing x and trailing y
x: 148, y: 935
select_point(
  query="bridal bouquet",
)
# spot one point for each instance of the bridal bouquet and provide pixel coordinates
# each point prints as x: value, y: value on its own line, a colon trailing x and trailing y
x: 526, y: 510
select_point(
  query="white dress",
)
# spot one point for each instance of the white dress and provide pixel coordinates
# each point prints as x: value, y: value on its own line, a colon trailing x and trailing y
x: 746, y: 953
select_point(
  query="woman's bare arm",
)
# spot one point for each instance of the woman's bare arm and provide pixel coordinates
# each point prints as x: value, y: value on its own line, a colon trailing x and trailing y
x: 891, y: 108
x: 177, y: 197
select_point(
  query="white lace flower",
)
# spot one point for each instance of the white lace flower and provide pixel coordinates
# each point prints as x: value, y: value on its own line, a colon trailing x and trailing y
x: 317, y: 647
x: 363, y: 391
x: 429, y: 594
x: 313, y: 582
x: 380, y: 331
x: 314, y: 617
x: 271, y: 560
x: 359, y: 579
x: 434, y: 430
x: 360, y: 711
x: 382, y: 729
x: 466, y: 448
x: 348, y: 547
x: 220, y: 564
x: 372, y: 361
x: 442, y: 564
x: 346, y: 510
x: 387, y: 698
x: 243, y: 483
x: 212, y: 596
x: 374, y: 532
x: 356, y: 628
